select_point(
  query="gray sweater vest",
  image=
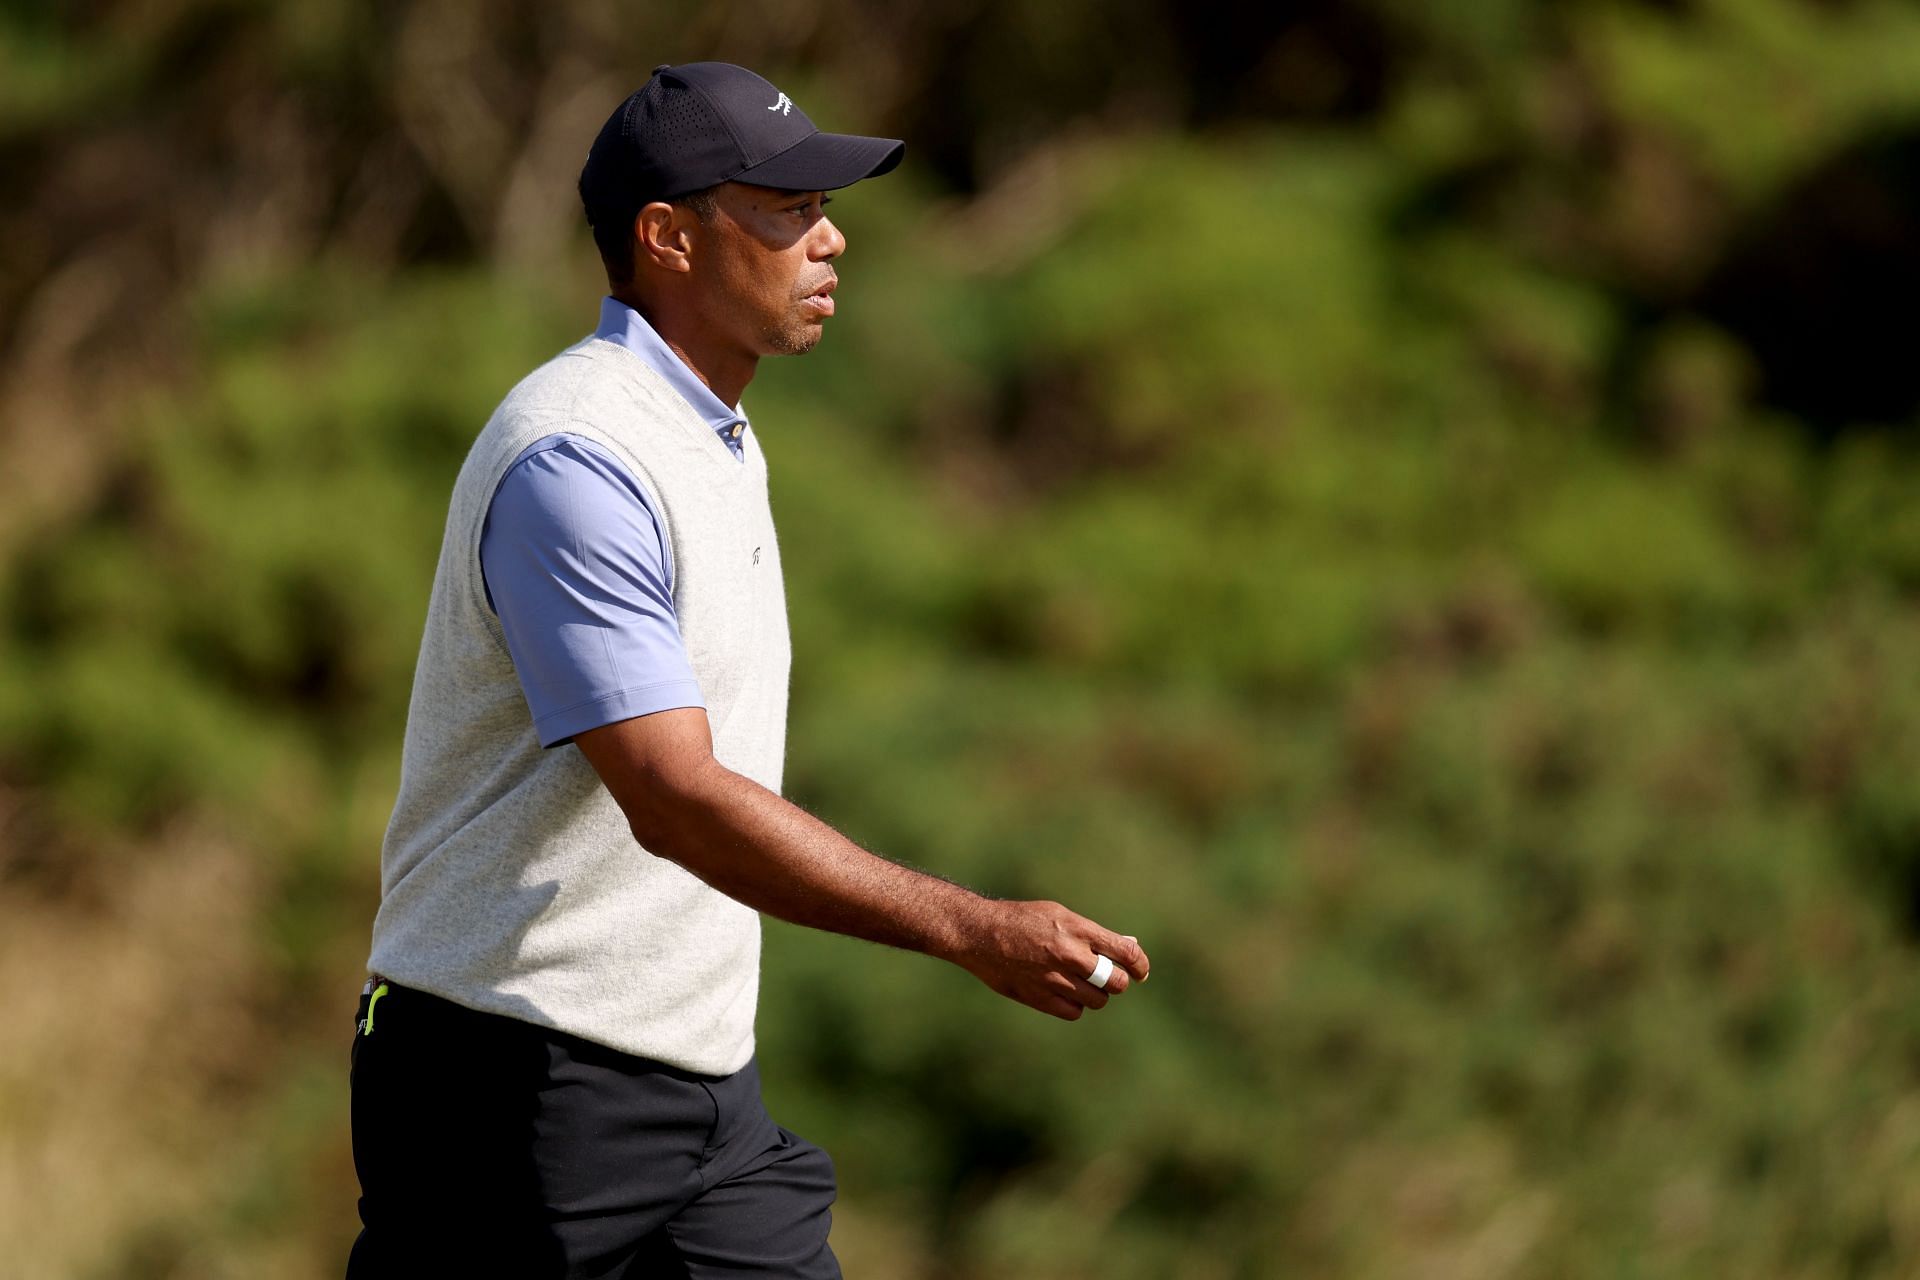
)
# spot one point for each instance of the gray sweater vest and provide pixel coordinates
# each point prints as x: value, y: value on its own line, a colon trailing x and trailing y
x: 510, y: 880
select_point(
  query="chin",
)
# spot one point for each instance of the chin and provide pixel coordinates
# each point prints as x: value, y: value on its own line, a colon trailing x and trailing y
x: 796, y: 342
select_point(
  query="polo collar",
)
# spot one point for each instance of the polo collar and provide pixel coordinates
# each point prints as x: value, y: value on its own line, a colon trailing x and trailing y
x: 620, y: 323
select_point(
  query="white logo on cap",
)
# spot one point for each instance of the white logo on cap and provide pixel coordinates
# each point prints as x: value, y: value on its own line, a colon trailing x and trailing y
x: 783, y: 104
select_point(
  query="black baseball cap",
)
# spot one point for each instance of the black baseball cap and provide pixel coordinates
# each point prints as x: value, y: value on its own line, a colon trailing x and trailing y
x: 701, y: 123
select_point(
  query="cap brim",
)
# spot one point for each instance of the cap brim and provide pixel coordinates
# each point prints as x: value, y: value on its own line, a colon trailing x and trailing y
x: 826, y: 162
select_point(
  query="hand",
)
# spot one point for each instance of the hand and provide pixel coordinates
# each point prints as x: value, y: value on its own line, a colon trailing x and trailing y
x: 1040, y: 954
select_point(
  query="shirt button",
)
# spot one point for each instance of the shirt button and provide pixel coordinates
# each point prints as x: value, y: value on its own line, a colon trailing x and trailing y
x: 737, y: 428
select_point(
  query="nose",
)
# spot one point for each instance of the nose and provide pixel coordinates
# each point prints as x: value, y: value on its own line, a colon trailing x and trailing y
x: 828, y: 243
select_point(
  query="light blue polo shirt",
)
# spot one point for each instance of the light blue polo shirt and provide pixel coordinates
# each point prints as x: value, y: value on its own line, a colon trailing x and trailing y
x: 575, y: 565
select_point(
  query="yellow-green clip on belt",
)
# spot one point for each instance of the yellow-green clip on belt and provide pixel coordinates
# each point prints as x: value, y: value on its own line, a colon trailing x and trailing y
x: 373, y: 1000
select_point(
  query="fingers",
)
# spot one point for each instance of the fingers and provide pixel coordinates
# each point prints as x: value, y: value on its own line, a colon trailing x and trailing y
x: 1129, y: 961
x: 1065, y: 1010
x: 1067, y: 998
x: 1050, y: 952
x: 1090, y: 996
x: 1122, y: 948
x: 1126, y: 953
x: 1117, y: 979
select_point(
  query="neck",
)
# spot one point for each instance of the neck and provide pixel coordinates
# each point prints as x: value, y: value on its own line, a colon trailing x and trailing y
x: 724, y: 367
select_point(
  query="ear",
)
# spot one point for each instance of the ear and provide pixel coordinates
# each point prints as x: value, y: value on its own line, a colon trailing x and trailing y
x: 664, y: 236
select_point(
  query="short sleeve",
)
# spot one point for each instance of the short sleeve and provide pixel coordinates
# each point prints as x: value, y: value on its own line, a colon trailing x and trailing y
x: 575, y: 566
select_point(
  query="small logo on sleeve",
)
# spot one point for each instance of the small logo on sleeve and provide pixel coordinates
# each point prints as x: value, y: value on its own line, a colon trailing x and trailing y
x: 756, y: 555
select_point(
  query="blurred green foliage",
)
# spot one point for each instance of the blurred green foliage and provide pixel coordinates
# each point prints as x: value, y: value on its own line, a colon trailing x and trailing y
x: 1334, y: 544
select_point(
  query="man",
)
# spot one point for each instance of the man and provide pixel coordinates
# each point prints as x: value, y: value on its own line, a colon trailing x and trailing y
x: 553, y: 1067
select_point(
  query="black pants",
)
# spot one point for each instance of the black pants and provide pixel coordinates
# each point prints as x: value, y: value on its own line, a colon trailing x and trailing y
x: 487, y: 1146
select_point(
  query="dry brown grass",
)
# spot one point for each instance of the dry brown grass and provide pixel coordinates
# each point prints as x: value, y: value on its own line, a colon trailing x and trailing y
x: 127, y: 999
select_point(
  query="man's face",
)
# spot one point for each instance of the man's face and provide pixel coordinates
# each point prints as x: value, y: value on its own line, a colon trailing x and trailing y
x: 769, y: 266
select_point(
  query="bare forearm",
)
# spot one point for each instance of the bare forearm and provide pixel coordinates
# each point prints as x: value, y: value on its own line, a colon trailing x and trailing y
x: 775, y: 857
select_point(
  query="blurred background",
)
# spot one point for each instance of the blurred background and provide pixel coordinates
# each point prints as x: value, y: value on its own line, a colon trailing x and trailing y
x: 1413, y: 509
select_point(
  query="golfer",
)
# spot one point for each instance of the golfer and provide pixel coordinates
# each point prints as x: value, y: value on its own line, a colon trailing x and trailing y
x: 553, y: 1062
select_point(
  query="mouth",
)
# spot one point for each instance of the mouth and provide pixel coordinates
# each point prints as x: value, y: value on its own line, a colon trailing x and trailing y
x: 820, y: 301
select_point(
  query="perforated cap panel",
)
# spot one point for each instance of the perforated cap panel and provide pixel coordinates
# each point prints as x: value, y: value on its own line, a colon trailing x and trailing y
x: 663, y: 141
